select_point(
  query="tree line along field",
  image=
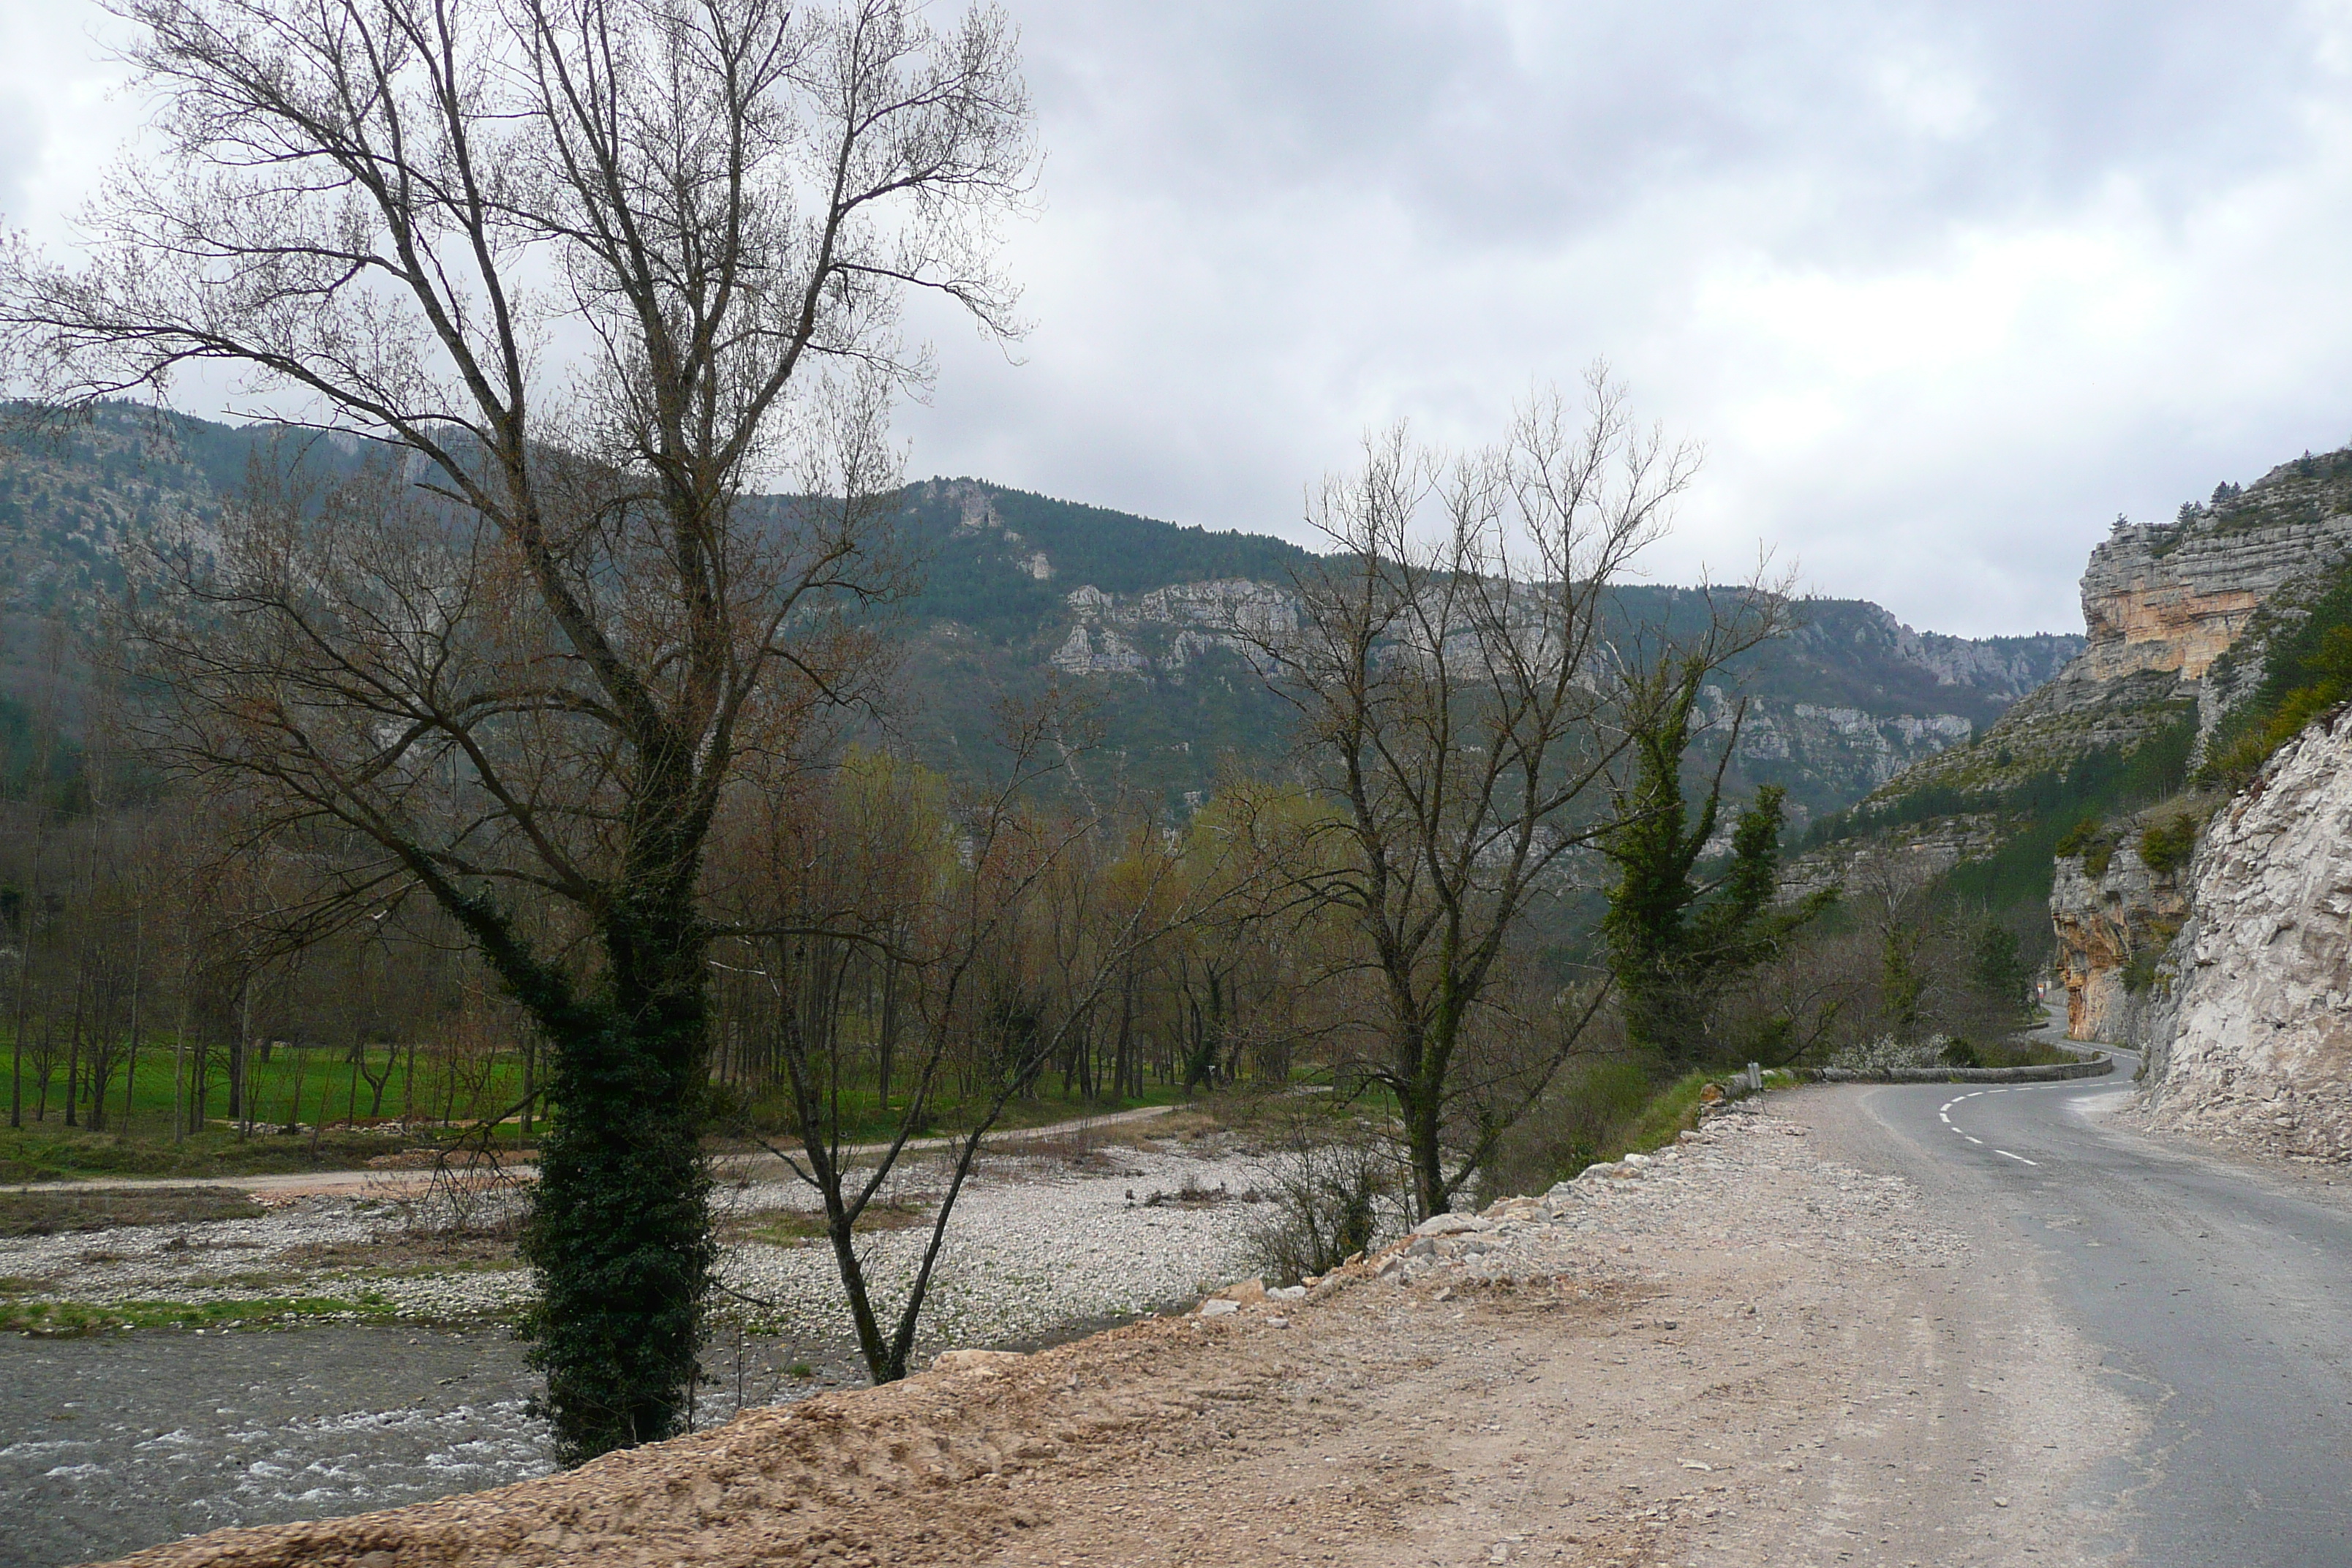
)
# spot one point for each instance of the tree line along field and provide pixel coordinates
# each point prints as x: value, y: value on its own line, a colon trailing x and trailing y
x: 304, y: 1106
x: 318, y: 1107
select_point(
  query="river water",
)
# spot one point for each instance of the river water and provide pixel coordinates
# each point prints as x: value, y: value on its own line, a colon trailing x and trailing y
x: 116, y: 1442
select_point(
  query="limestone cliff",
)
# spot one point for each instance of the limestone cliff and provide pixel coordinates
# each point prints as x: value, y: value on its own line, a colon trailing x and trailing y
x: 2113, y: 917
x: 2164, y: 607
x: 1177, y: 623
x: 2252, y: 1037
x: 2175, y: 598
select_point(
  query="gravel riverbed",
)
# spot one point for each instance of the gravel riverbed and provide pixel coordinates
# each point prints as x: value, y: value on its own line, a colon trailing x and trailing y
x: 117, y: 1441
x: 1035, y: 1242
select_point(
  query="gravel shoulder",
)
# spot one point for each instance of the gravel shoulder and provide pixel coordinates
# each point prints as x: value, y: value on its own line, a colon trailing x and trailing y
x: 1749, y: 1351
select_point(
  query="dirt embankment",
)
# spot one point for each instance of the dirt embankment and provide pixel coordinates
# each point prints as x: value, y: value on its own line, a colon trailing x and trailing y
x: 1742, y: 1349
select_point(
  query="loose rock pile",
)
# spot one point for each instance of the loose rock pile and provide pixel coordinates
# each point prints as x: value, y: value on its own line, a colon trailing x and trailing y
x: 1674, y: 1193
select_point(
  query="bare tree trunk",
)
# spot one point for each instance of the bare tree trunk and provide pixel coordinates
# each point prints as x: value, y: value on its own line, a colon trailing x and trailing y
x: 73, y: 1041
x: 27, y: 913
x: 890, y: 1031
x: 237, y: 1054
x: 46, y: 1063
x: 138, y: 979
x: 179, y: 1069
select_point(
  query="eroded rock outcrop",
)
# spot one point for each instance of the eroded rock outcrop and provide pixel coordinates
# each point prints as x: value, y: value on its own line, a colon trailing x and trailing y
x: 1168, y: 629
x: 2175, y: 598
x: 2251, y: 1039
x: 2114, y: 918
x: 2174, y: 614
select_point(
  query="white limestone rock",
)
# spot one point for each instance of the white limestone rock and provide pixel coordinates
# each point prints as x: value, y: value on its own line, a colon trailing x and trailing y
x: 2252, y: 1038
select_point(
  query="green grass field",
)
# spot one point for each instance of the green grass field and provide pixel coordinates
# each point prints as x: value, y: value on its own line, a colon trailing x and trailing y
x: 293, y: 1087
x: 328, y: 1103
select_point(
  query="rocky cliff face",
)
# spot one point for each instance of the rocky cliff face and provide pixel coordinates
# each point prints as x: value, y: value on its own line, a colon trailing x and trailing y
x: 2174, y: 598
x: 2114, y: 918
x: 1894, y: 861
x: 2250, y: 1040
x: 2172, y: 611
x: 1174, y: 625
x: 1856, y: 748
x: 2009, y: 667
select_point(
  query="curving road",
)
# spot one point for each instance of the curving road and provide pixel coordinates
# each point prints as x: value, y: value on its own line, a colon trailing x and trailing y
x: 2215, y: 1296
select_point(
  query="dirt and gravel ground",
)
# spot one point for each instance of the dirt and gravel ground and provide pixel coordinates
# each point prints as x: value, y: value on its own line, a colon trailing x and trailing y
x: 1043, y: 1237
x: 1743, y: 1354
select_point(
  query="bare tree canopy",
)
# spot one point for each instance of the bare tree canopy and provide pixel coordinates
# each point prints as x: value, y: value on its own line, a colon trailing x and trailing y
x: 583, y: 269
x: 1463, y: 707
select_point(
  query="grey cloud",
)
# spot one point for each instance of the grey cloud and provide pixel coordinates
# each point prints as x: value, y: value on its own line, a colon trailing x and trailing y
x: 1269, y: 225
x: 1496, y: 131
x: 1942, y: 287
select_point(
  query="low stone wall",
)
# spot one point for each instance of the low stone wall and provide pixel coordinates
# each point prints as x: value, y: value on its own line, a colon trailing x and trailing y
x: 2053, y: 1074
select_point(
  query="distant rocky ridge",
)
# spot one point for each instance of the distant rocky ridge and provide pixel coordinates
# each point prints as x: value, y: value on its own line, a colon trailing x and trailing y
x: 1905, y: 695
x: 1152, y: 624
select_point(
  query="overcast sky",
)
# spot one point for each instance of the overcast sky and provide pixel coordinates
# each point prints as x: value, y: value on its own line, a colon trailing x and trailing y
x: 1941, y: 289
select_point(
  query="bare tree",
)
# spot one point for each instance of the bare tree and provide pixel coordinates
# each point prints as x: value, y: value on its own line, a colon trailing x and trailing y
x: 1455, y: 696
x: 1013, y: 924
x: 523, y: 658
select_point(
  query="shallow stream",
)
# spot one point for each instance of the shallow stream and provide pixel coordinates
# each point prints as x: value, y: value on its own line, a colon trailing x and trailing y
x: 117, y: 1442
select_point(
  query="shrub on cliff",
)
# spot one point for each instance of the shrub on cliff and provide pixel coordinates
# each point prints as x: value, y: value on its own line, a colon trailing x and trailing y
x: 2166, y: 847
x: 2308, y: 672
x: 2078, y: 839
x: 2085, y: 839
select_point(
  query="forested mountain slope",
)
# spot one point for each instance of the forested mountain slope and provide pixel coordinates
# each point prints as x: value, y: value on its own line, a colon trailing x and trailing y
x: 1143, y: 621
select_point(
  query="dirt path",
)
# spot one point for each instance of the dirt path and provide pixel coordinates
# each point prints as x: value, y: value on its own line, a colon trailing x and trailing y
x: 754, y: 1167
x: 1743, y: 1354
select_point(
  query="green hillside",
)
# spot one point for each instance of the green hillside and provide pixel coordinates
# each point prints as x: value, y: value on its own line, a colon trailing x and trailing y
x: 1837, y: 707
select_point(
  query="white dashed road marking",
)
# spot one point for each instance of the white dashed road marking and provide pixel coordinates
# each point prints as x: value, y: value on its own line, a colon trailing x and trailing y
x: 1944, y: 1115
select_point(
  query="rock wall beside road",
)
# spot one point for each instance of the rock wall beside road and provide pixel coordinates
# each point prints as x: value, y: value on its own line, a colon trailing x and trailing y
x: 2110, y: 926
x: 2251, y: 1038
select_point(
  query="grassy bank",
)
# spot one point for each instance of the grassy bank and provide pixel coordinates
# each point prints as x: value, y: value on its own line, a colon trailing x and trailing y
x: 52, y: 1152
x: 44, y: 1151
x: 69, y: 1317
x: 293, y: 1086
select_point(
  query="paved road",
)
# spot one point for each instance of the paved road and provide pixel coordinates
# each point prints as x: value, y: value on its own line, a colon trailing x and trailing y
x: 2218, y: 1297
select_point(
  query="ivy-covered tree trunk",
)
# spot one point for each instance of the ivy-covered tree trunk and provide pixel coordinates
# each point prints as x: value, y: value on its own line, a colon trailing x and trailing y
x: 1421, y: 1106
x: 619, y: 1234
x: 1655, y: 846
